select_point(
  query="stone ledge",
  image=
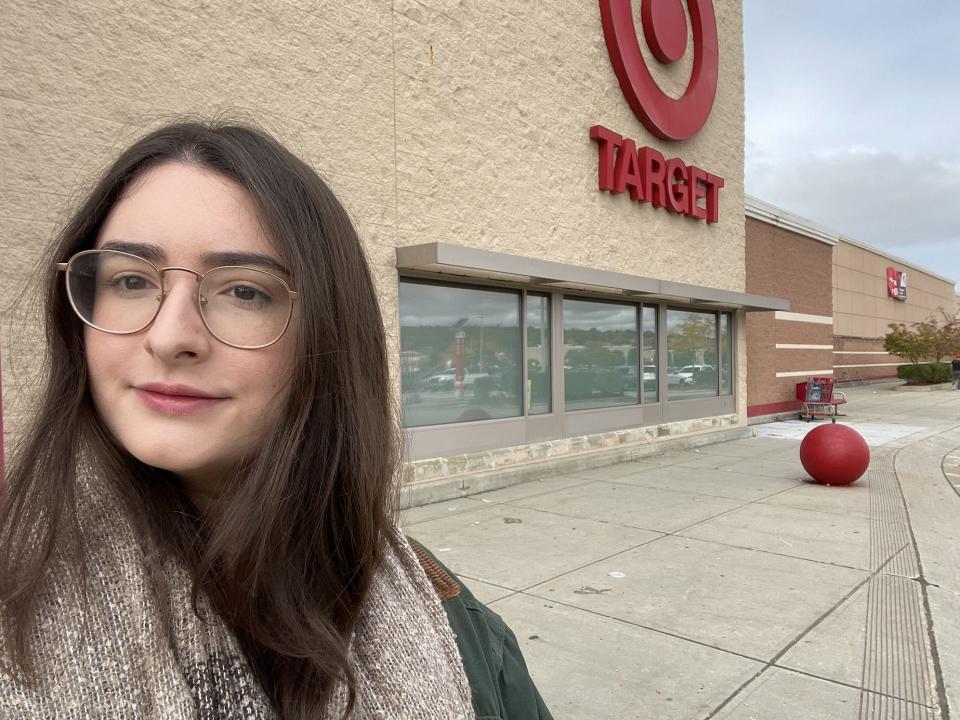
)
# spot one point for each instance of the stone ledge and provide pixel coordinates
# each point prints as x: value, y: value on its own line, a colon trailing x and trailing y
x: 471, y: 483
x: 774, y: 417
x: 439, y: 468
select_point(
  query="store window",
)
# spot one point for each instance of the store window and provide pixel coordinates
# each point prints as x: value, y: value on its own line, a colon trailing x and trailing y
x: 650, y: 374
x: 601, y: 354
x: 726, y: 354
x: 538, y: 354
x: 460, y: 353
x: 691, y: 354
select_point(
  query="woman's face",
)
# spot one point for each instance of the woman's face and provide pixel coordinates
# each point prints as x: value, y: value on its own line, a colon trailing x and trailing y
x: 187, y: 212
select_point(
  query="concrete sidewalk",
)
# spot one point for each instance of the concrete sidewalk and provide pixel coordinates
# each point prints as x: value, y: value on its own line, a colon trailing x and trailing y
x: 721, y: 583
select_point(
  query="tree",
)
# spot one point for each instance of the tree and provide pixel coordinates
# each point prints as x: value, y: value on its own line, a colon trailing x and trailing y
x: 696, y: 334
x: 941, y: 335
x: 934, y: 338
x: 904, y: 341
x: 953, y: 338
x: 928, y: 335
x: 947, y: 338
x: 594, y: 355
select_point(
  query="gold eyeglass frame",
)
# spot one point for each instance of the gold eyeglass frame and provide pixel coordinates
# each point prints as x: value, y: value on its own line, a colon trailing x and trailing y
x: 64, y: 267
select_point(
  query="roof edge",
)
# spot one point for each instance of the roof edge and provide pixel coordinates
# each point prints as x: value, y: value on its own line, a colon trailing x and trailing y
x: 772, y: 215
x: 898, y: 260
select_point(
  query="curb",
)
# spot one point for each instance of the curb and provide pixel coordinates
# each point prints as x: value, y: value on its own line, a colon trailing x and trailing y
x: 773, y: 417
x: 923, y: 388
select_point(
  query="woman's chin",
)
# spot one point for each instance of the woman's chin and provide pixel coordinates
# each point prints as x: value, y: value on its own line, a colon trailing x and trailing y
x: 196, y: 466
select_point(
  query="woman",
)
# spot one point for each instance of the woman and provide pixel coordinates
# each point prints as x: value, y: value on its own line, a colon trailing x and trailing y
x: 198, y: 523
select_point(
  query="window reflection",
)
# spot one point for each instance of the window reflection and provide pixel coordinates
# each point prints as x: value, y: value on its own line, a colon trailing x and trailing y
x: 726, y: 355
x: 601, y: 354
x: 538, y: 354
x: 460, y: 353
x: 650, y: 374
x: 691, y: 354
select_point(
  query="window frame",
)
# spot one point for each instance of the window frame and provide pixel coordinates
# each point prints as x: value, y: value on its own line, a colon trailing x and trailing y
x: 448, y: 439
x: 637, y: 314
x: 524, y: 310
x: 519, y: 295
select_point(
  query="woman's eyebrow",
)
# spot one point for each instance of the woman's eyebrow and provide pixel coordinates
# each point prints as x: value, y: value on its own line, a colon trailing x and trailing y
x: 144, y: 250
x: 237, y: 257
x: 211, y: 259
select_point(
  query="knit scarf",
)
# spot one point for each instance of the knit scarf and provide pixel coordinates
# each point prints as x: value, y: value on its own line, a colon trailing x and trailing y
x: 113, y: 658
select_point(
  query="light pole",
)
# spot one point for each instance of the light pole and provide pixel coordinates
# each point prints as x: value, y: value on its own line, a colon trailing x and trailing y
x: 481, y: 343
x: 459, y: 338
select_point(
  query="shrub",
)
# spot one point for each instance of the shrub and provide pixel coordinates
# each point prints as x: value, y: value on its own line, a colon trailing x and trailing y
x: 610, y: 382
x: 924, y: 373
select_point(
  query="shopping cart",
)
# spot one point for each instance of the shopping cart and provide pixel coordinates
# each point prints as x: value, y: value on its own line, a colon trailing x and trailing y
x: 820, y: 399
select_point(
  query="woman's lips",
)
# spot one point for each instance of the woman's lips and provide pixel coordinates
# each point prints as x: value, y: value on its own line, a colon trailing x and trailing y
x: 176, y: 404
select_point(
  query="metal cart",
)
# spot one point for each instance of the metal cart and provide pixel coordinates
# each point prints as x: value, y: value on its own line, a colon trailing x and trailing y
x: 819, y: 398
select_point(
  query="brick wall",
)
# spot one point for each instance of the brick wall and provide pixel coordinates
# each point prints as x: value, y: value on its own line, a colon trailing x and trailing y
x: 862, y: 359
x: 796, y: 267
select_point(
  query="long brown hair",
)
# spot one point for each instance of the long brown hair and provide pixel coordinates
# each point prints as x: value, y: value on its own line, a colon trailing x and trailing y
x: 320, y: 492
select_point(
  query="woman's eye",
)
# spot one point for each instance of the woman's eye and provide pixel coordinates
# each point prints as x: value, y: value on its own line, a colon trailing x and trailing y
x: 247, y: 294
x: 130, y: 282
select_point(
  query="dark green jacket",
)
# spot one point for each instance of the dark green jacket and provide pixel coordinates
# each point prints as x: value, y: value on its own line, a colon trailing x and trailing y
x: 499, y: 681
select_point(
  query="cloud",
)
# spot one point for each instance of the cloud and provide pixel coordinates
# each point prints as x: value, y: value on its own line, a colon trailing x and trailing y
x: 881, y: 198
x: 850, y: 120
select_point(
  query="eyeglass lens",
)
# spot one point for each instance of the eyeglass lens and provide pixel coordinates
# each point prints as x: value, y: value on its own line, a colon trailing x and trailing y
x: 121, y: 293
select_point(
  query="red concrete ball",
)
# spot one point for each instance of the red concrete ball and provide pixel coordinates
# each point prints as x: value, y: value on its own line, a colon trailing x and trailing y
x: 834, y: 454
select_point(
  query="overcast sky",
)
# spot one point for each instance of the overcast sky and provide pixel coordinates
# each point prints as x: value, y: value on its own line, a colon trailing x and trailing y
x: 853, y: 120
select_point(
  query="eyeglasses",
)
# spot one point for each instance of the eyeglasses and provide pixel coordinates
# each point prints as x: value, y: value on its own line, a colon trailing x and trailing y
x: 119, y: 293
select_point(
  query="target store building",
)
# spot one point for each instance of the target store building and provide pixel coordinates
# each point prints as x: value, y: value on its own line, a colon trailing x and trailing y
x: 550, y: 196
x: 571, y: 289
x: 844, y: 295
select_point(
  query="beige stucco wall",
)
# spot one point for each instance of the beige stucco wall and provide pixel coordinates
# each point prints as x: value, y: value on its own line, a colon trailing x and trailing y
x: 434, y: 121
x: 861, y: 305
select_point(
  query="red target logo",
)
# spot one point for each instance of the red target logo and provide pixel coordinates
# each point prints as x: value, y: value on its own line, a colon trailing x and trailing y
x: 665, y: 31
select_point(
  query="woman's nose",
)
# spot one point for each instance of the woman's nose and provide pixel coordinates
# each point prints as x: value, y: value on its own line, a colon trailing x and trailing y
x: 178, y: 328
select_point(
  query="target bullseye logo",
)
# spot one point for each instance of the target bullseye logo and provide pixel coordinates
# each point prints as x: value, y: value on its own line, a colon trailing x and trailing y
x: 665, y: 32
x: 625, y: 165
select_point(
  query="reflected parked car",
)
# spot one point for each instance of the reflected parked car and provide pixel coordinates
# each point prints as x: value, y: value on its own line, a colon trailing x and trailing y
x: 675, y: 377
x: 445, y: 379
x: 689, y: 374
x: 442, y: 380
x: 588, y: 382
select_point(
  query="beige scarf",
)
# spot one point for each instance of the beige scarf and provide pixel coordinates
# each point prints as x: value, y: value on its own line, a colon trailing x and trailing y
x: 115, y: 661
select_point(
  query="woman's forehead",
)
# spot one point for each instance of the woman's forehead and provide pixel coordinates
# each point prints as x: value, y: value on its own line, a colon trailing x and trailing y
x: 180, y: 213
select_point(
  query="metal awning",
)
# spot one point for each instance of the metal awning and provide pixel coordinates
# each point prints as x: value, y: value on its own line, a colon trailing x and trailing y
x: 444, y: 258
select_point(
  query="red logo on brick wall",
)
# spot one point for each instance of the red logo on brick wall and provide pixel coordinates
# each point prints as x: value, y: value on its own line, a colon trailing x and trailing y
x: 665, y: 31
